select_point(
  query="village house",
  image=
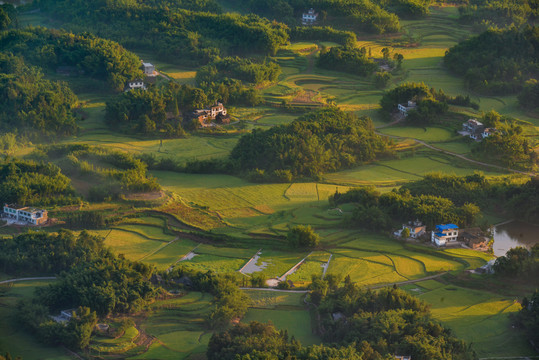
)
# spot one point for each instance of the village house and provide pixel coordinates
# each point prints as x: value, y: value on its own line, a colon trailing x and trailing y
x: 30, y: 215
x: 135, y: 84
x: 404, y: 108
x: 474, y: 129
x: 444, y: 234
x: 403, y: 357
x: 149, y: 69
x: 487, y: 132
x: 309, y: 17
x: 65, y: 316
x: 416, y: 229
x: 474, y: 238
x: 216, y: 112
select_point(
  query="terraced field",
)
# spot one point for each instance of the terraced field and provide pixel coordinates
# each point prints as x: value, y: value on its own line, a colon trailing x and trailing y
x: 178, y: 326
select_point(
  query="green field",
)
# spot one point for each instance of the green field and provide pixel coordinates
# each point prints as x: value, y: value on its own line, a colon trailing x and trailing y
x: 285, y: 311
x: 479, y: 317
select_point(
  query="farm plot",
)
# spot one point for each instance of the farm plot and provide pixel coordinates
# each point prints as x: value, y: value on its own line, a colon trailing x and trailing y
x: 311, y: 266
x: 170, y: 254
x: 132, y: 245
x: 150, y: 232
x: 178, y: 325
x: 479, y: 317
x: 296, y: 322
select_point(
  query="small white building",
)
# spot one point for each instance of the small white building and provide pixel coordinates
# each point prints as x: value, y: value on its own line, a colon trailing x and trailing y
x: 136, y: 84
x: 444, y: 234
x: 309, y: 17
x: 65, y: 316
x: 404, y: 108
x: 149, y: 69
x: 416, y: 229
x: 27, y: 214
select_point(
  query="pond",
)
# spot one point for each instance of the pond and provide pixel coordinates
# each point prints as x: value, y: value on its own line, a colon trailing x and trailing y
x: 512, y: 234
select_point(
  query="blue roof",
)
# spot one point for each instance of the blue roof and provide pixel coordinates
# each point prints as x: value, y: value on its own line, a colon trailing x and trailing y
x: 439, y: 234
x: 446, y: 227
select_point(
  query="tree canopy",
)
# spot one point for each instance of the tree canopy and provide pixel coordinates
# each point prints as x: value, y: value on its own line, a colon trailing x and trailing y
x: 322, y: 141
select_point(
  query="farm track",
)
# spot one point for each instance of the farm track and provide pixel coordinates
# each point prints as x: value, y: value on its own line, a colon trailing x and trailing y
x: 28, y: 279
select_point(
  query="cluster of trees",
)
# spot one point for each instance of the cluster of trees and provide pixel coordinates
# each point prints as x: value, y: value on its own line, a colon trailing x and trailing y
x: 373, y: 325
x: 519, y: 198
x: 239, y: 68
x: 407, y: 8
x: 497, y: 61
x: 360, y: 15
x: 74, y: 334
x: 430, y: 103
x: 121, y: 174
x: 322, y: 141
x: 529, y: 96
x: 528, y: 317
x: 90, y: 277
x: 498, y: 13
x: 191, y: 37
x: 509, y: 146
x: 47, y: 254
x: 7, y: 16
x: 388, y: 321
x: 302, y: 237
x: 31, y: 183
x: 230, y: 302
x: 31, y: 104
x: 378, y: 211
x: 87, y: 54
x: 519, y: 262
x: 348, y: 59
x: 323, y: 33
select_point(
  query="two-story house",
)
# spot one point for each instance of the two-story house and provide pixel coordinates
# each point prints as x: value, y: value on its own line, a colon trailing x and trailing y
x: 26, y: 214
x: 444, y: 234
x: 416, y: 229
x: 309, y: 17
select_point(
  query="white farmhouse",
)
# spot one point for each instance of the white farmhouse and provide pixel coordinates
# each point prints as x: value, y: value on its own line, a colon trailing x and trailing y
x: 444, y: 234
x: 27, y: 214
x: 135, y: 84
x: 404, y: 108
x: 309, y: 17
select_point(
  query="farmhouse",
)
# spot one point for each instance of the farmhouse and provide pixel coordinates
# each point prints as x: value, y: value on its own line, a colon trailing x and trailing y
x: 416, y: 229
x: 30, y: 215
x: 65, y: 316
x: 474, y: 129
x: 216, y: 112
x: 404, y: 108
x: 309, y: 17
x: 474, y: 238
x: 149, y: 69
x: 444, y: 234
x: 135, y: 84
x: 487, y: 132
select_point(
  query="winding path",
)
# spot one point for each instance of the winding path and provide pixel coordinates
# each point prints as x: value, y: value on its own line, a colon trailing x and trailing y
x: 28, y: 279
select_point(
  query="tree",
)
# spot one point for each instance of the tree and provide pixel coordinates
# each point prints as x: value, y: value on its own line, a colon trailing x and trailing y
x: 385, y: 53
x: 302, y: 237
x: 4, y: 19
x: 405, y: 234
